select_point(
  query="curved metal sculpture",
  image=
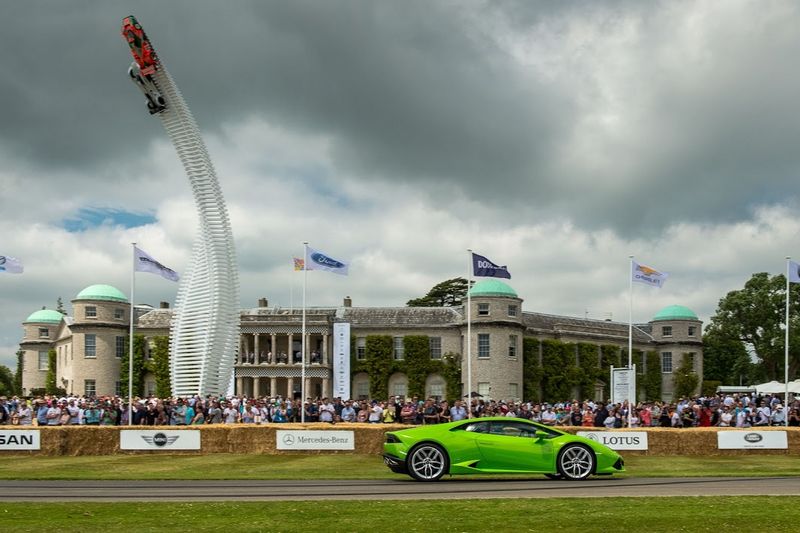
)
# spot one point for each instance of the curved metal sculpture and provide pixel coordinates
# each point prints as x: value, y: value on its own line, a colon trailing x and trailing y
x: 204, y: 333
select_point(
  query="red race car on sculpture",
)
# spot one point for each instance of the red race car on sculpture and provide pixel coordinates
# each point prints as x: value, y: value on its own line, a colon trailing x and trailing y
x: 144, y: 65
x: 140, y: 45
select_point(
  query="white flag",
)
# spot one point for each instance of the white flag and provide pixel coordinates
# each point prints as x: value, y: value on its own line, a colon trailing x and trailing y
x: 794, y: 272
x: 647, y: 275
x: 12, y: 265
x: 145, y: 263
x: 321, y: 261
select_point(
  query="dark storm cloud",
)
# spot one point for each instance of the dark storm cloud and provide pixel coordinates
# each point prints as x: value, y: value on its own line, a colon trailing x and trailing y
x: 420, y: 92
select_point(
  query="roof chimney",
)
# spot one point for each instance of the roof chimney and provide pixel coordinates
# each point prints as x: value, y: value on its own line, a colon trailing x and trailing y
x: 262, y: 302
x: 348, y: 302
x: 163, y: 305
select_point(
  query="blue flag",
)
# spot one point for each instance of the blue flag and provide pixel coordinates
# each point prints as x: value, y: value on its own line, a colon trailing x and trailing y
x: 485, y: 268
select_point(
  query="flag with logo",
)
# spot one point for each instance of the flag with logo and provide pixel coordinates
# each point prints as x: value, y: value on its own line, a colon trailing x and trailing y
x: 481, y: 266
x: 299, y: 264
x: 11, y: 265
x: 647, y: 275
x: 143, y: 262
x: 318, y: 260
x: 794, y: 272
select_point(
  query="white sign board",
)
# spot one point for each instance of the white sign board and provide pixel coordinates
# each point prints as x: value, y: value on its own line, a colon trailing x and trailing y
x: 623, y: 383
x: 20, y: 440
x: 157, y: 439
x: 341, y: 360
x: 618, y: 440
x: 752, y: 440
x: 315, y: 440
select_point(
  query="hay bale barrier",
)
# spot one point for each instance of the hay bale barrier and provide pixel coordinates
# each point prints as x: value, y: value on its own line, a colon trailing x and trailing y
x: 369, y: 438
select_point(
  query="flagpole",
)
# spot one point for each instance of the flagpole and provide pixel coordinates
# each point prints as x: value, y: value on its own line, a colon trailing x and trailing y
x: 631, y: 376
x: 303, y: 339
x: 786, y: 351
x: 469, y: 334
x: 130, y: 340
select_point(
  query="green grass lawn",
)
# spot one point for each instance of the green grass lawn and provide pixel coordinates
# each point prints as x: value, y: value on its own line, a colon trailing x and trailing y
x: 750, y: 513
x: 228, y: 466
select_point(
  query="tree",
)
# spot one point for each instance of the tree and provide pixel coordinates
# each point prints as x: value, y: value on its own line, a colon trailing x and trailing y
x: 50, y: 385
x: 6, y: 381
x: 754, y: 316
x: 725, y: 359
x: 685, y: 378
x: 60, y: 306
x: 138, y: 367
x: 20, y: 368
x: 449, y: 293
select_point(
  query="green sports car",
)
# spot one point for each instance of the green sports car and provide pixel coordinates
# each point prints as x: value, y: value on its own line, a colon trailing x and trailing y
x: 496, y: 445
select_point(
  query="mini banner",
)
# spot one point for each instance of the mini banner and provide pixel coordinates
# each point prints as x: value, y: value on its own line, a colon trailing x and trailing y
x: 744, y: 439
x: 315, y: 440
x: 341, y: 360
x: 618, y: 440
x: 140, y: 439
x: 20, y: 440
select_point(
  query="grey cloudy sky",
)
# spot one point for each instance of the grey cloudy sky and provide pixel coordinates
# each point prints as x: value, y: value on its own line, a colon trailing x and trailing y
x: 555, y: 137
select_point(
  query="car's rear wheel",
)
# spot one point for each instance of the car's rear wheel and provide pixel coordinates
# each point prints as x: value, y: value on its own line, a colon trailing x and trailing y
x: 427, y: 462
x: 575, y: 462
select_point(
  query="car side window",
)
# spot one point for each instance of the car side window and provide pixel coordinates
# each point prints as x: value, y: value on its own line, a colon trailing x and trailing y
x: 514, y: 429
x: 476, y: 427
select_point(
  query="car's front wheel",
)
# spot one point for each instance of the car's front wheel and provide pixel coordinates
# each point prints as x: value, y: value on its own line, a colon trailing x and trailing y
x: 427, y: 462
x: 575, y: 462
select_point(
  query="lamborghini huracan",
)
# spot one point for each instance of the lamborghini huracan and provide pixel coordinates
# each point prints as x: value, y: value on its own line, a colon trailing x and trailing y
x: 496, y: 445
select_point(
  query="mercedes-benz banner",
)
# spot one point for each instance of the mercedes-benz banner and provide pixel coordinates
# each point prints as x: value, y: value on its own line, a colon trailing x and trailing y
x: 159, y: 439
x: 315, y: 440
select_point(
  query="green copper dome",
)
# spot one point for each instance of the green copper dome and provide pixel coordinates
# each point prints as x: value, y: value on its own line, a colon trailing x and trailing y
x: 45, y: 316
x: 675, y: 312
x: 102, y: 292
x: 492, y: 287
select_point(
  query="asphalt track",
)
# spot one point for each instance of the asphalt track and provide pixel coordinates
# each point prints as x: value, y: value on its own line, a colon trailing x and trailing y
x: 399, y: 489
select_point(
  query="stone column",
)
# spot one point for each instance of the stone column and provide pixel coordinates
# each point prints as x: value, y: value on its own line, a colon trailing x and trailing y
x: 325, y: 360
x: 273, y: 384
x: 289, y: 348
x: 308, y: 388
x: 256, y: 387
x: 290, y: 387
x: 273, y: 347
x: 239, y: 385
x: 326, y: 388
x: 257, y: 343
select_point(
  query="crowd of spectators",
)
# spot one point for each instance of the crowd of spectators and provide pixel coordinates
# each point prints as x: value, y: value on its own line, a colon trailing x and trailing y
x: 719, y: 410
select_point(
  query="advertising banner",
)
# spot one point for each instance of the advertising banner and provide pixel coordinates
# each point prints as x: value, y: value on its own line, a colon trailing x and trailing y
x: 618, y: 440
x: 157, y: 439
x: 27, y: 439
x: 745, y: 439
x: 621, y: 386
x: 315, y: 440
x: 341, y: 360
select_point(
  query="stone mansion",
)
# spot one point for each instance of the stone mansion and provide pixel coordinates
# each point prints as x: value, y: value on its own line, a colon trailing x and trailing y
x: 91, y: 342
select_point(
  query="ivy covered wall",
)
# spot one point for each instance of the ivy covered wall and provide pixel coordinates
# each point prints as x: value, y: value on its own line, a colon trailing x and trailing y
x: 417, y: 365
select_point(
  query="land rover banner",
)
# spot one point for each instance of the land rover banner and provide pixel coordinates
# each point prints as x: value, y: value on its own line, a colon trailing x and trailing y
x: 167, y: 440
x: 341, y: 360
x: 13, y: 440
x: 744, y: 439
x: 618, y: 440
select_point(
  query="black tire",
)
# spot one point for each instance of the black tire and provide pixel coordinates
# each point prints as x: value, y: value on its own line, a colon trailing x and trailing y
x: 427, y: 462
x: 554, y: 476
x: 576, y: 462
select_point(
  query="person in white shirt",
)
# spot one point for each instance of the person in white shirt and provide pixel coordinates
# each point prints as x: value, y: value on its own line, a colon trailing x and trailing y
x: 725, y: 417
x: 549, y: 417
x: 326, y: 411
x: 375, y: 413
x: 457, y: 412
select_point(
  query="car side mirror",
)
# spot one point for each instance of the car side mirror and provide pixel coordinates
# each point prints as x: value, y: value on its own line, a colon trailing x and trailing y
x: 541, y: 434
